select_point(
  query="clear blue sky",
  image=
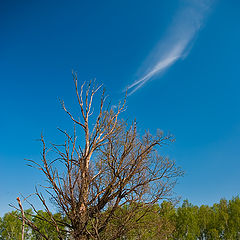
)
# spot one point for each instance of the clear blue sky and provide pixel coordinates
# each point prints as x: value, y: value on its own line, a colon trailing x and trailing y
x: 196, y: 97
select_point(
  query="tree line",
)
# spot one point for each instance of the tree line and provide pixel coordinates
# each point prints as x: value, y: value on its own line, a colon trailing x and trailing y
x: 163, y: 221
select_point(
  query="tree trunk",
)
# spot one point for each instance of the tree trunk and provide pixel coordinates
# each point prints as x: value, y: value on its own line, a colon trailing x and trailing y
x: 81, y: 237
x: 80, y: 224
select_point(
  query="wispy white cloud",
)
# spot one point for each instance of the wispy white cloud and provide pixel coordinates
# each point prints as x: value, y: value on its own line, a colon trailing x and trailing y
x: 177, y: 42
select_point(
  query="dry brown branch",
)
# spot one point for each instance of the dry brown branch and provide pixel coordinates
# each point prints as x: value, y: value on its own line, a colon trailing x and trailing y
x: 23, y: 216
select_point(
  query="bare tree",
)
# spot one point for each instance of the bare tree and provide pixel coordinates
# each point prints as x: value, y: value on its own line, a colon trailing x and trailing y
x: 90, y: 180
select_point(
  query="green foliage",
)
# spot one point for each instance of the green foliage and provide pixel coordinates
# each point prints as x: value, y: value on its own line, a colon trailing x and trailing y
x: 11, y: 226
x: 205, y: 218
x: 187, y: 223
x: 221, y: 221
x: 166, y: 221
x: 47, y: 229
x: 233, y: 227
x: 145, y: 223
x: 156, y: 222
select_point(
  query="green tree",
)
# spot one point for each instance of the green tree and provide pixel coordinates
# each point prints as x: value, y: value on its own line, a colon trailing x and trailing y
x: 233, y: 228
x: 145, y: 223
x: 187, y: 223
x: 166, y: 221
x: 45, y: 227
x: 205, y: 214
x: 221, y: 218
x: 150, y: 222
x: 11, y: 226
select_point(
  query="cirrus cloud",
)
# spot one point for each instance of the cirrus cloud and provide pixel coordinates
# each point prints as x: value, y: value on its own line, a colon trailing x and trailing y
x: 177, y: 42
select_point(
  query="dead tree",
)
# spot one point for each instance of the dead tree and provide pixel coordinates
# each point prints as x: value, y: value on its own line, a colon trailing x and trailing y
x: 110, y: 167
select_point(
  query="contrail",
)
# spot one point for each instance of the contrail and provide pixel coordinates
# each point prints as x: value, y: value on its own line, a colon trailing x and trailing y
x: 177, y: 42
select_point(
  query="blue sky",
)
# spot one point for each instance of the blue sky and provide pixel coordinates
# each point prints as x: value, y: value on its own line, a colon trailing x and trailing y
x: 195, y: 95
